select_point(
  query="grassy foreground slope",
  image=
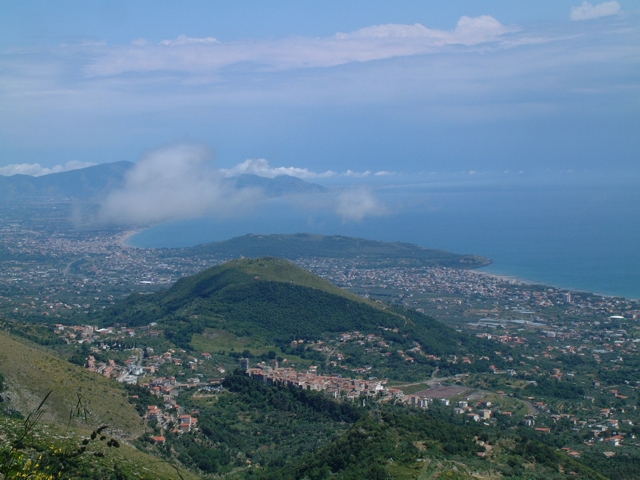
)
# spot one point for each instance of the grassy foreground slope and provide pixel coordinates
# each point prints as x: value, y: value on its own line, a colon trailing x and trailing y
x: 48, y: 454
x: 371, y: 252
x: 30, y: 372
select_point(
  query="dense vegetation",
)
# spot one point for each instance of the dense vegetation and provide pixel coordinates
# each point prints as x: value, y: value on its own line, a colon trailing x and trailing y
x: 405, y: 443
x: 276, y: 302
x: 252, y: 423
x: 253, y: 430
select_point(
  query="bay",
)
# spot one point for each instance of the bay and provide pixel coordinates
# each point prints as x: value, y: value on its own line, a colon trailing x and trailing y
x: 579, y: 237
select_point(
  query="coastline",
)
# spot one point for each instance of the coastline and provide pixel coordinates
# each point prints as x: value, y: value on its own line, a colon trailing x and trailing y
x: 515, y: 279
x: 124, y: 238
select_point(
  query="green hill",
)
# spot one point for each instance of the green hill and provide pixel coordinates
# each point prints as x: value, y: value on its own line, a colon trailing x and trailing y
x: 369, y: 252
x: 407, y: 444
x: 49, y: 453
x: 275, y: 301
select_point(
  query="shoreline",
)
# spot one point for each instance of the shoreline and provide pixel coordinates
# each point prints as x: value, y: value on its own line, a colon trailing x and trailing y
x: 515, y: 279
x: 124, y: 238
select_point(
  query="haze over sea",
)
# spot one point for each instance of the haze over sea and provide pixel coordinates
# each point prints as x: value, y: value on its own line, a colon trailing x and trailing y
x: 580, y: 237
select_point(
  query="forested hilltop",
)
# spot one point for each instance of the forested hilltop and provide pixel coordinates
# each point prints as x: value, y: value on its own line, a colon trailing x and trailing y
x: 368, y: 252
x: 276, y: 303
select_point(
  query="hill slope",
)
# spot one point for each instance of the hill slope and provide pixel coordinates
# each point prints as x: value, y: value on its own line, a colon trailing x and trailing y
x: 276, y: 301
x: 30, y: 372
x: 365, y: 251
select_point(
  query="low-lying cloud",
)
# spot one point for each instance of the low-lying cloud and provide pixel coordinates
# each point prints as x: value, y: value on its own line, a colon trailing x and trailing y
x: 37, y: 170
x: 179, y: 182
x: 173, y: 183
x: 587, y: 11
x: 261, y: 167
x: 356, y: 204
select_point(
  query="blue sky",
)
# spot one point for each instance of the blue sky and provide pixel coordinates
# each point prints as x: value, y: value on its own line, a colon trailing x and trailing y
x: 482, y: 87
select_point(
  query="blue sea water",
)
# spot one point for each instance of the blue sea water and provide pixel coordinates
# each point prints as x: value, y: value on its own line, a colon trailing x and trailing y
x: 576, y: 237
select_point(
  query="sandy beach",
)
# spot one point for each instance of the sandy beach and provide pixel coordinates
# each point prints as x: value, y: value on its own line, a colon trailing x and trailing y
x: 125, y: 236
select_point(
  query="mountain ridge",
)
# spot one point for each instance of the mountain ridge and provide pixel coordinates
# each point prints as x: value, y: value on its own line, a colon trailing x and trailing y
x: 98, y: 180
x: 82, y: 183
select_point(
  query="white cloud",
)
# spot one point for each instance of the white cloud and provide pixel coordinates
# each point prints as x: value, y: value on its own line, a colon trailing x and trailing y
x: 172, y: 183
x: 207, y: 55
x: 469, y: 31
x: 351, y: 173
x: 184, y: 40
x: 260, y: 166
x: 37, y: 170
x: 472, y: 31
x: 587, y: 11
x: 179, y: 182
x: 355, y: 204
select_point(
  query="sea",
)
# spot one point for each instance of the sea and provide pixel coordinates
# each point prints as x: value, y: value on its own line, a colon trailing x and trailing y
x: 581, y: 237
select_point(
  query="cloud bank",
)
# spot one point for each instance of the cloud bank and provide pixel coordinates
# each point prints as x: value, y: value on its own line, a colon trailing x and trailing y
x: 260, y: 166
x: 356, y: 204
x: 173, y: 183
x: 427, y: 95
x: 37, y: 170
x: 200, y: 55
x: 587, y: 11
x: 178, y: 182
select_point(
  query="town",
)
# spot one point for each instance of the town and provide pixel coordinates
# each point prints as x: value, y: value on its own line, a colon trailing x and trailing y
x: 603, y: 414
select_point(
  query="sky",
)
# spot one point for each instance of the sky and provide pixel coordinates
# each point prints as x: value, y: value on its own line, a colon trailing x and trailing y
x: 324, y: 90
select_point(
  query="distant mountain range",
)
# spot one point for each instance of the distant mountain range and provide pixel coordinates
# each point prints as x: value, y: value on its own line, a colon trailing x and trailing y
x: 97, y: 181
x: 275, y: 187
x: 84, y: 183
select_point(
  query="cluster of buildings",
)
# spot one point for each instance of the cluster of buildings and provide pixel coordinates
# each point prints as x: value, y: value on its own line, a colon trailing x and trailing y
x: 454, y: 285
x: 179, y: 422
x: 334, y: 386
x: 483, y: 413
